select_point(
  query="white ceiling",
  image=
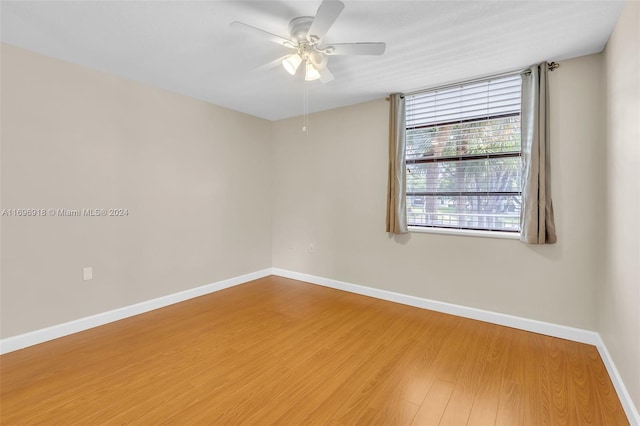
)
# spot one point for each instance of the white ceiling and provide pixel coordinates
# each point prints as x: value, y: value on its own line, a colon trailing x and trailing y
x: 189, y: 48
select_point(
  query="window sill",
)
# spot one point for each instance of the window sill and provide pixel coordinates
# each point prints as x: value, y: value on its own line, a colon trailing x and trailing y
x: 466, y: 232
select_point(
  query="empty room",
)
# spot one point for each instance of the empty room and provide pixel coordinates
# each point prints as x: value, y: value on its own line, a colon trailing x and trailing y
x: 320, y: 212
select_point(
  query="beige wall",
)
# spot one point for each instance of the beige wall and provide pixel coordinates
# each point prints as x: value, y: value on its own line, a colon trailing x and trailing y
x: 619, y: 294
x: 330, y: 190
x: 195, y: 178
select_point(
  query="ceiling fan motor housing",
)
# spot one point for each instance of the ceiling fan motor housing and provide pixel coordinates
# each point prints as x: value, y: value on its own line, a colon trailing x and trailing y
x: 307, y: 49
x: 299, y: 28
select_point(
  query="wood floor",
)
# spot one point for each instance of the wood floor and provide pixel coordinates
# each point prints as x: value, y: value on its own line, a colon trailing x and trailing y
x: 280, y: 351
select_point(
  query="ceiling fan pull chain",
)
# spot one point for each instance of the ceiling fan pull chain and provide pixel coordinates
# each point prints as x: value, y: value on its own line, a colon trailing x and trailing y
x: 305, y: 106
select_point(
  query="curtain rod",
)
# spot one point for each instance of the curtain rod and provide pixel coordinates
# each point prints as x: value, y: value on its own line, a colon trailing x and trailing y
x: 552, y: 67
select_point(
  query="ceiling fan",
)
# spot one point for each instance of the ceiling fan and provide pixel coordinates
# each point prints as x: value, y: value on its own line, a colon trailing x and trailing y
x: 306, y: 35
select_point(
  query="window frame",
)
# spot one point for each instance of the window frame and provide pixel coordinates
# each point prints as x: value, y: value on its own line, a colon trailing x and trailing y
x: 453, y: 230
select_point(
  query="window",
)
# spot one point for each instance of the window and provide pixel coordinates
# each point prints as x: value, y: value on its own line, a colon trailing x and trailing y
x: 463, y: 156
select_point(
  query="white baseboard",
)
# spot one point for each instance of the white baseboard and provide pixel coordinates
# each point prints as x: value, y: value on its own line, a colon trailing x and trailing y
x: 627, y: 403
x: 20, y: 341
x: 535, y: 326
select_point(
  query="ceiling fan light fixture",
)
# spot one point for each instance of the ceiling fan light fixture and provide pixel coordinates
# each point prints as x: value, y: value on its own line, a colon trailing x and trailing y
x: 311, y: 73
x: 291, y: 63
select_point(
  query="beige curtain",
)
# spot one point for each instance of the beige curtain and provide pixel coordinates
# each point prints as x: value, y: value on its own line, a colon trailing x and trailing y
x: 396, y: 188
x: 536, y: 218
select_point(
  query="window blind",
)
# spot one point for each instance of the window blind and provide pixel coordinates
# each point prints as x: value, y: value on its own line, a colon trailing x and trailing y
x: 463, y: 156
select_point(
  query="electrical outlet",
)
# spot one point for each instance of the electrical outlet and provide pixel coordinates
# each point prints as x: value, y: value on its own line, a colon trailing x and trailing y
x: 87, y: 273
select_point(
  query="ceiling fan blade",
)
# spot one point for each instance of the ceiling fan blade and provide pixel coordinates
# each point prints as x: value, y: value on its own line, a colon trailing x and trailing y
x: 326, y: 15
x: 354, y: 49
x: 264, y: 34
x: 325, y: 75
